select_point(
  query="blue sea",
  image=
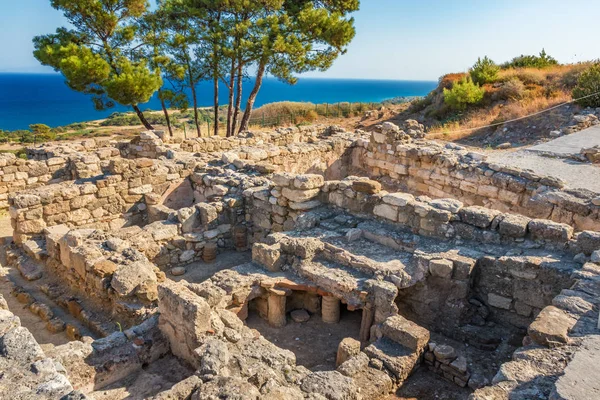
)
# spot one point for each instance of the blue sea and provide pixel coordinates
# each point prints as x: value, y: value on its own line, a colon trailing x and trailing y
x: 44, y: 98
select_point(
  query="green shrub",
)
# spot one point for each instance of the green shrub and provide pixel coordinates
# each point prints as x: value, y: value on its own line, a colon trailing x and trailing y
x: 463, y: 93
x: 542, y: 61
x: 588, y: 84
x: 484, y: 71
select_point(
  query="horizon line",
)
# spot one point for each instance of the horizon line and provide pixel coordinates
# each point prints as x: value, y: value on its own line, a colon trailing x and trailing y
x: 266, y: 77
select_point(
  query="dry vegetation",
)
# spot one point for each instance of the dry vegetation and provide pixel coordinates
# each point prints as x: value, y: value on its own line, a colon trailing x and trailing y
x: 512, y: 94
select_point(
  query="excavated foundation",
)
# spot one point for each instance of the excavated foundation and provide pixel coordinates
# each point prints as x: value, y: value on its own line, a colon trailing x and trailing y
x: 306, y: 263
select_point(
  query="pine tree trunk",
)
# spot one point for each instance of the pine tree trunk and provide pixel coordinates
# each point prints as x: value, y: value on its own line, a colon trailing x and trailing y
x: 252, y: 98
x: 216, y: 104
x: 194, y: 97
x: 143, y: 119
x: 231, y: 96
x: 238, y: 97
x: 166, y: 112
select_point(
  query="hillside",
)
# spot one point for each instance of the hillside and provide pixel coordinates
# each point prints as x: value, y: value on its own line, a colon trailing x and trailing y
x: 511, y: 91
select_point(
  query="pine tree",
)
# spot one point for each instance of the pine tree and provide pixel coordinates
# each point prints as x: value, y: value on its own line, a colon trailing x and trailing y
x: 97, y: 56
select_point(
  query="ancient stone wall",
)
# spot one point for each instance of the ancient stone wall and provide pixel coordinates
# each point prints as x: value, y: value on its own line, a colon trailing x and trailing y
x: 427, y: 168
x: 279, y: 137
x: 106, y: 202
x: 93, y: 365
x: 105, y: 268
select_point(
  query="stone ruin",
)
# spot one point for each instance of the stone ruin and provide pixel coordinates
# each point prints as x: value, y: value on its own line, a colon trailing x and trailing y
x: 305, y: 263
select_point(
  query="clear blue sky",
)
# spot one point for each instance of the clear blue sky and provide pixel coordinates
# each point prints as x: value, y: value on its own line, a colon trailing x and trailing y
x: 396, y: 39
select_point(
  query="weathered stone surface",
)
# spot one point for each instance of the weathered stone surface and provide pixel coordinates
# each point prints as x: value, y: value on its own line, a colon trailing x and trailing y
x: 227, y: 388
x: 441, y: 268
x: 136, y: 278
x: 306, y: 182
x: 300, y: 316
x: 548, y: 230
x: 386, y: 211
x: 551, y: 327
x: 366, y: 186
x: 513, y: 225
x: 398, y: 199
x: 184, y: 319
x: 347, y: 349
x: 405, y: 332
x: 478, y: 216
x: 268, y: 256
x: 331, y: 385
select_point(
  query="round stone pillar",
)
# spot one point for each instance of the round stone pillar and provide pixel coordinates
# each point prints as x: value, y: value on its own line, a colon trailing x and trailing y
x: 347, y: 349
x: 240, y: 237
x: 330, y: 309
x: 209, y: 253
x: 277, y: 318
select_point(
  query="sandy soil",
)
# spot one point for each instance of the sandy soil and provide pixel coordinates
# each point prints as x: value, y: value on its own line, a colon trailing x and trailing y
x: 313, y: 342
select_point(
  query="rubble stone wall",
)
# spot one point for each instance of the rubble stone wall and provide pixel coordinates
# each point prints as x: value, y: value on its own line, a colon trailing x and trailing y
x: 17, y: 174
x: 93, y: 365
x: 517, y: 288
x: 427, y: 168
x: 104, y: 268
x: 105, y: 202
x: 279, y: 137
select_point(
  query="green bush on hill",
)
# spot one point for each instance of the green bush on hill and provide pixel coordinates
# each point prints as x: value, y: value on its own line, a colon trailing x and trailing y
x: 588, y: 84
x: 542, y: 61
x: 463, y: 93
x: 484, y: 71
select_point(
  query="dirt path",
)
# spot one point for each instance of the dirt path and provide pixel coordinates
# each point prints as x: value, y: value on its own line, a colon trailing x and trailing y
x: 577, y: 175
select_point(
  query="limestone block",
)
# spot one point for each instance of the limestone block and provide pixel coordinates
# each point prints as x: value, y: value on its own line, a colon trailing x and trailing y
x: 300, y: 196
x: 330, y: 385
x: 498, y: 301
x: 480, y: 217
x: 267, y: 256
x: 137, y: 278
x: 184, y: 319
x: 366, y: 186
x: 549, y: 230
x: 441, y: 268
x: 398, y: 199
x: 305, y: 205
x: 405, y: 332
x: 386, y: 211
x: 347, y: 349
x: 308, y: 181
x: 551, y: 327
x: 513, y: 225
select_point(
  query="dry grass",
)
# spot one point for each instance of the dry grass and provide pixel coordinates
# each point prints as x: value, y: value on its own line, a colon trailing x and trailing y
x: 563, y: 76
x: 273, y: 110
x: 480, y: 118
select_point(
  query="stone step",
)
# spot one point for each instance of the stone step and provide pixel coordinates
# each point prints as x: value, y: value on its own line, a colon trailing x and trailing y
x: 36, y: 249
x: 399, y: 360
x: 30, y: 268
